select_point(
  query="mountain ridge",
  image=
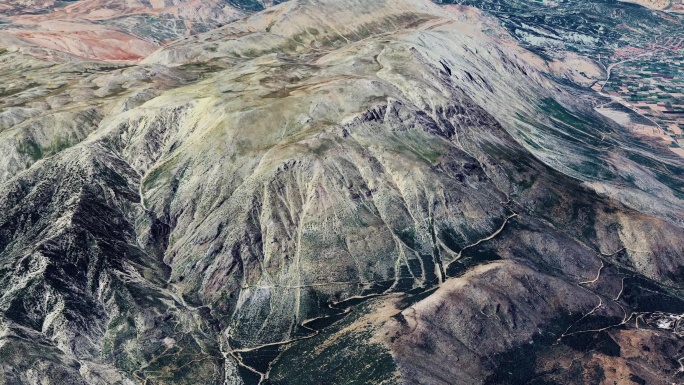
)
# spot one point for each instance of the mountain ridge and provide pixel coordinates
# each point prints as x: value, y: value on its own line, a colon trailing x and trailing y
x: 437, y: 191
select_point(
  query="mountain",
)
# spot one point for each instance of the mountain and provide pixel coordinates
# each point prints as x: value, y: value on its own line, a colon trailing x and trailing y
x: 115, y: 29
x: 344, y: 192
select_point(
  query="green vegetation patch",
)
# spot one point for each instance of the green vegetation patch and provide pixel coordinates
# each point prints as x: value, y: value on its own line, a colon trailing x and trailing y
x: 510, y: 369
x: 331, y: 358
x: 29, y: 147
x: 247, y: 5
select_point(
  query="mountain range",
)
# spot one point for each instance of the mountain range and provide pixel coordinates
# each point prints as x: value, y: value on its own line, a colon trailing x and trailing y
x: 328, y: 192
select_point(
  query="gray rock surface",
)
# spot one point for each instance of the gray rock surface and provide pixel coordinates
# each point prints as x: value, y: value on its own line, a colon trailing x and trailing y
x: 183, y: 219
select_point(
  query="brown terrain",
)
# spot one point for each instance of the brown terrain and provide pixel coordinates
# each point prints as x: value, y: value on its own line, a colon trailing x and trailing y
x: 106, y: 30
x: 666, y: 5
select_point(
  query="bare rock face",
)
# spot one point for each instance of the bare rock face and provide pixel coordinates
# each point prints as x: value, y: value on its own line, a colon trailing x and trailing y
x: 330, y: 191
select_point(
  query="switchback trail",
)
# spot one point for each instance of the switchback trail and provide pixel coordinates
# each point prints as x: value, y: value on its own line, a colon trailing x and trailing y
x: 342, y: 308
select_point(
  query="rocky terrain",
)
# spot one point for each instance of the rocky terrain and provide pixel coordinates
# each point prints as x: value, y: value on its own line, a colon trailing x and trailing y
x: 343, y: 192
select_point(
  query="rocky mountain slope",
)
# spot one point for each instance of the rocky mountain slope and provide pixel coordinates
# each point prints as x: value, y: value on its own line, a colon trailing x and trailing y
x: 339, y: 192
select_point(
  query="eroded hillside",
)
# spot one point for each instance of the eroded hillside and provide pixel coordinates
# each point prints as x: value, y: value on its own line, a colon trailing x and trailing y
x: 332, y: 191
